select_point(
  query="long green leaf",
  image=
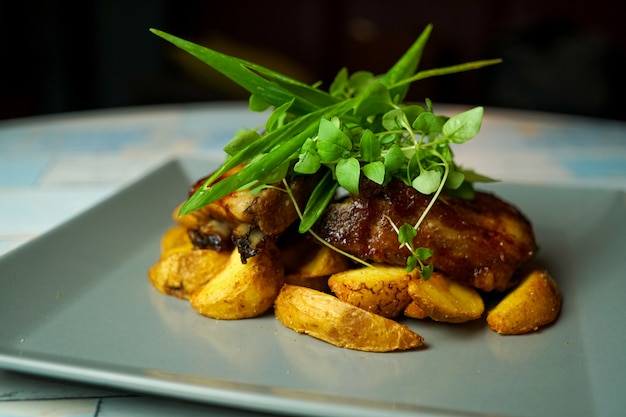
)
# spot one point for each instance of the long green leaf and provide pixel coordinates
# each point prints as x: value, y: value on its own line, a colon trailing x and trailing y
x: 405, y: 67
x: 283, y: 142
x: 256, y: 79
x: 452, y: 69
x: 253, y: 171
x: 275, y: 137
x: 315, y: 96
x: 318, y: 201
x: 291, y: 133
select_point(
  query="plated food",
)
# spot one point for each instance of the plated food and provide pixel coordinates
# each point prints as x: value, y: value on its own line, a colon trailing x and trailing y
x: 346, y: 215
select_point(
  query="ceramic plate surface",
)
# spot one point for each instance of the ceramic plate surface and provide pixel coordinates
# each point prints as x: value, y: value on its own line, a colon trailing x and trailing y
x: 76, y: 304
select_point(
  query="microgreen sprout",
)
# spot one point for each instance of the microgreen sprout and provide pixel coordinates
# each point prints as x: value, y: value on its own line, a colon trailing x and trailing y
x: 360, y: 128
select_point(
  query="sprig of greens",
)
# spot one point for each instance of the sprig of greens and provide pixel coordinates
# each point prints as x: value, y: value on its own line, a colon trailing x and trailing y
x: 360, y: 127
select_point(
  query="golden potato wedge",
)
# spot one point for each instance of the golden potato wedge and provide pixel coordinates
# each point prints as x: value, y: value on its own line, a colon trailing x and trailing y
x: 443, y: 299
x: 309, y: 264
x: 310, y: 259
x: 534, y: 303
x: 323, y: 262
x: 175, y: 239
x: 317, y: 283
x: 327, y: 318
x: 379, y: 289
x: 240, y: 290
x: 414, y: 311
x: 181, y: 273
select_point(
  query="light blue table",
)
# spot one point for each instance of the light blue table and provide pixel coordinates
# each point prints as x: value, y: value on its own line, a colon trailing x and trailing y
x: 54, y: 167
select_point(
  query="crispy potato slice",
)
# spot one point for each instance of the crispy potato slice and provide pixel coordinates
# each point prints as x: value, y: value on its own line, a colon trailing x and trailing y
x: 240, y: 290
x: 175, y: 239
x: 446, y: 300
x: 181, y: 273
x: 309, y: 264
x: 310, y: 260
x: 534, y: 303
x: 327, y: 318
x: 324, y: 262
x: 379, y: 289
x: 414, y: 311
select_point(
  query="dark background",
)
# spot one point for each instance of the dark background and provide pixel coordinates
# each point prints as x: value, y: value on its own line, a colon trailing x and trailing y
x: 559, y: 56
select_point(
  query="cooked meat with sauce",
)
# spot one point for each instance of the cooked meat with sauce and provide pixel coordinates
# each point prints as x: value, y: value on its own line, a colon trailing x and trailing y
x: 479, y: 242
x: 245, y: 219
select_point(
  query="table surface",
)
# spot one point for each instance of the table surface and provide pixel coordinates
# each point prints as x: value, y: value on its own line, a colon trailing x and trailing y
x: 54, y: 167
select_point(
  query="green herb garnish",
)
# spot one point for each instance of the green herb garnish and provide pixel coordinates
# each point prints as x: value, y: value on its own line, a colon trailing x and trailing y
x: 361, y: 126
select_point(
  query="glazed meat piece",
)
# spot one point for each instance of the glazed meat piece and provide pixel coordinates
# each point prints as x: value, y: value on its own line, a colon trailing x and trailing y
x: 245, y: 219
x: 479, y: 242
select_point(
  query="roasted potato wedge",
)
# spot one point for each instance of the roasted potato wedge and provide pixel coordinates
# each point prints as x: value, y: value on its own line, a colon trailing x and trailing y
x: 181, y: 273
x: 309, y: 264
x: 323, y: 262
x: 379, y: 289
x: 443, y: 299
x: 534, y: 303
x: 414, y: 311
x: 327, y: 318
x: 310, y: 260
x: 241, y: 290
x: 175, y: 239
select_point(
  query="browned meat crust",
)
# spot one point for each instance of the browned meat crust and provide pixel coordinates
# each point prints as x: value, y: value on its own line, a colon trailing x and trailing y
x: 244, y: 219
x: 481, y: 242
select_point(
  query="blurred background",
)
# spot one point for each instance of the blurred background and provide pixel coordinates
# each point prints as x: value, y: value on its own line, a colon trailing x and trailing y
x: 559, y: 56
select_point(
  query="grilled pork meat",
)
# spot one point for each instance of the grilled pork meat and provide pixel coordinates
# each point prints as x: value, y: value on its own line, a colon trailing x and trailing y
x: 479, y: 242
x: 245, y: 220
